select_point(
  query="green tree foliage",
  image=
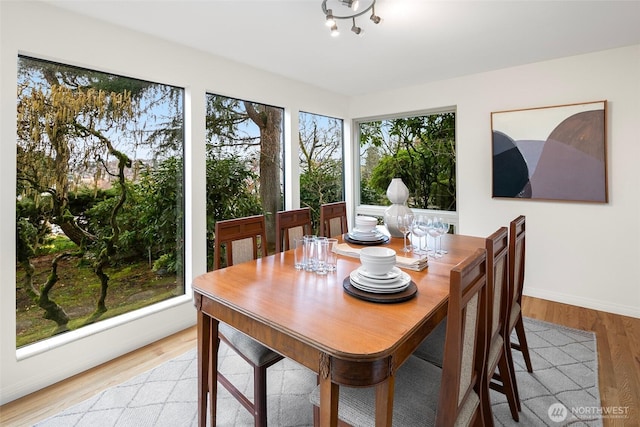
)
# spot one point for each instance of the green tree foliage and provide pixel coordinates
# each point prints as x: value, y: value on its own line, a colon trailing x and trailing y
x: 151, y: 219
x: 162, y: 215
x: 420, y: 150
x: 321, y: 184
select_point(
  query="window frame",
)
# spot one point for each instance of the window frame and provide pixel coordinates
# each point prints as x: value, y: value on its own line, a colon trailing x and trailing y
x: 342, y: 152
x: 164, y: 306
x: 378, y: 210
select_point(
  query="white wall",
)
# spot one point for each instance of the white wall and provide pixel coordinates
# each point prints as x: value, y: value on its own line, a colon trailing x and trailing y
x: 49, y: 33
x: 577, y: 253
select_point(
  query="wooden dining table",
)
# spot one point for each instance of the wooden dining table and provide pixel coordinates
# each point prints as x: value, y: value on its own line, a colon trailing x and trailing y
x: 312, y: 320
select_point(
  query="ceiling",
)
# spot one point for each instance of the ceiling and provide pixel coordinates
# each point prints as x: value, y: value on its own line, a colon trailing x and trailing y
x: 417, y: 42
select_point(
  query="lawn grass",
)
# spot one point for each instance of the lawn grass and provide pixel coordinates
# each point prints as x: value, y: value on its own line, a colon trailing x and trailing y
x: 131, y: 286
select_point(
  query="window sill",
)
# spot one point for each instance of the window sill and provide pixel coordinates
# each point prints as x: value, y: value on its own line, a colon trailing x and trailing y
x: 103, y: 325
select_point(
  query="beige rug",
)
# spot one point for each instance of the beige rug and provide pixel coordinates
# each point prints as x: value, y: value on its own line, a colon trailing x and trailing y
x: 561, y: 390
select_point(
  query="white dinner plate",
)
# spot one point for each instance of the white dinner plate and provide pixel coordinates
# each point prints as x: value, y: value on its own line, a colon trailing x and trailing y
x: 363, y: 284
x: 360, y: 232
x: 375, y: 281
x: 399, y: 287
x: 368, y: 237
x: 392, y: 274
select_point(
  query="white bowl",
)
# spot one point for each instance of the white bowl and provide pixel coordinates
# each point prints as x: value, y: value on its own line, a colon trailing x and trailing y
x: 366, y: 223
x: 378, y: 252
x: 377, y: 260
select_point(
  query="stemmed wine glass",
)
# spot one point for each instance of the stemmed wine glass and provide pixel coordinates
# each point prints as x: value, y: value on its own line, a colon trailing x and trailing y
x: 433, y: 231
x: 404, y: 226
x: 443, y: 228
x: 418, y: 228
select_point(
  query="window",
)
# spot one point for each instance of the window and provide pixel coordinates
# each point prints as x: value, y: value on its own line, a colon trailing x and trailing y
x: 420, y: 149
x: 321, y: 165
x: 99, y: 206
x: 244, y: 163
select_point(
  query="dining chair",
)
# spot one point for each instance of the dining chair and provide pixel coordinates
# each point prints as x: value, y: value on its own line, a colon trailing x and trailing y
x: 499, y: 376
x: 291, y: 224
x: 245, y: 239
x: 431, y: 349
x: 333, y: 219
x: 424, y: 394
x: 516, y: 283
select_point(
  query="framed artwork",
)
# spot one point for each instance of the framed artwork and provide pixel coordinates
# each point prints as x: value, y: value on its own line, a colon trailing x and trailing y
x: 551, y: 153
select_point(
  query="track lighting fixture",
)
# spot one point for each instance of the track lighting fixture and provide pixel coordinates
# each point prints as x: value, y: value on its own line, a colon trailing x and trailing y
x: 347, y: 9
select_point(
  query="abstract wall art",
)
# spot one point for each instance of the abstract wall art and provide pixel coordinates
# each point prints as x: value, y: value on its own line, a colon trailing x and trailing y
x: 551, y: 153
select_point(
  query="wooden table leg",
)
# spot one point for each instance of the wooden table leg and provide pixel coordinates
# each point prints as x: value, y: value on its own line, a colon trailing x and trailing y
x: 208, y: 343
x: 214, y: 345
x: 384, y: 402
x: 204, y: 332
x: 328, y: 403
x: 328, y: 393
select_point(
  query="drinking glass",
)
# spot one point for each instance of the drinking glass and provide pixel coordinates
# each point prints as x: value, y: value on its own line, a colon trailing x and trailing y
x: 443, y: 228
x: 309, y: 252
x: 298, y: 253
x: 332, y: 256
x: 322, y: 245
x: 418, y: 229
x: 433, y: 231
x: 404, y: 226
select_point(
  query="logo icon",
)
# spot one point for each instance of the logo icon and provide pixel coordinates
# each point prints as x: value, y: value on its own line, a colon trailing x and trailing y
x: 557, y: 412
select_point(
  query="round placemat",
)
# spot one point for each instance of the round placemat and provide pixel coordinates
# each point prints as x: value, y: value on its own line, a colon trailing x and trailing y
x: 383, y: 239
x: 405, y: 295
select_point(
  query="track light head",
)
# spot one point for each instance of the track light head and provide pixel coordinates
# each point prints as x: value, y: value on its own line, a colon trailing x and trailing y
x: 355, y: 28
x: 375, y: 18
x: 330, y: 22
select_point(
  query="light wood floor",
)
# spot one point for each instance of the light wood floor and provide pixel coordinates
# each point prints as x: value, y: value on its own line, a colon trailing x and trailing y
x: 618, y: 341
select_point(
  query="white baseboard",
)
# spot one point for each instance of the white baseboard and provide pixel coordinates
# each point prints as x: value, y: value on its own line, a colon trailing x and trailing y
x: 624, y: 310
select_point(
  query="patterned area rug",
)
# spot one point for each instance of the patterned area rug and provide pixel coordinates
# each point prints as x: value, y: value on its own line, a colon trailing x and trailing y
x: 562, y: 390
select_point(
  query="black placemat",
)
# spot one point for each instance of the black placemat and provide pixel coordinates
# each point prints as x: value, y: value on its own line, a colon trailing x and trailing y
x: 401, y: 296
x: 380, y: 241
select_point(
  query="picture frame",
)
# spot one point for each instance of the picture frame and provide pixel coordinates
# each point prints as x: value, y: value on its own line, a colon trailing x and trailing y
x: 551, y: 153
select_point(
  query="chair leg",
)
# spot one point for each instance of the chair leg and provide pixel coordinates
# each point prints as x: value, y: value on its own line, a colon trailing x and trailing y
x: 512, y: 373
x: 522, y: 340
x: 260, y: 395
x: 508, y: 387
x: 316, y: 416
x: 486, y: 414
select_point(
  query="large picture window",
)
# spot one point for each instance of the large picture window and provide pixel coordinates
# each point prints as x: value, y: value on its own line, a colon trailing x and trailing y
x: 321, y: 161
x: 420, y: 149
x: 99, y: 206
x: 244, y: 163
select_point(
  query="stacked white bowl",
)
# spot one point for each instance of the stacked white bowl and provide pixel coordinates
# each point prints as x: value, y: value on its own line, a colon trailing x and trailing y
x: 365, y: 224
x: 377, y: 260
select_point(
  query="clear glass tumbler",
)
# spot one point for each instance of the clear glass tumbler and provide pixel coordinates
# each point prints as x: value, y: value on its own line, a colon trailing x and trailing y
x: 332, y: 256
x: 298, y: 253
x: 322, y: 250
x: 309, y: 252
